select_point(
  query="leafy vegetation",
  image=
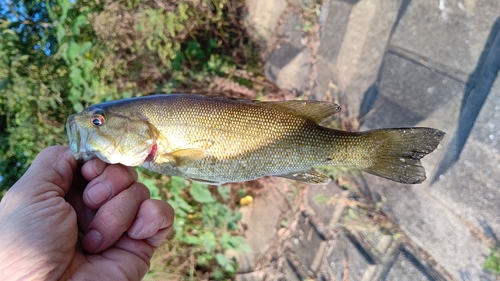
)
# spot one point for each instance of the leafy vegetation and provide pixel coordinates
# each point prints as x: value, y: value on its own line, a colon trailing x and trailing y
x: 492, y: 263
x: 205, y: 226
x: 59, y: 56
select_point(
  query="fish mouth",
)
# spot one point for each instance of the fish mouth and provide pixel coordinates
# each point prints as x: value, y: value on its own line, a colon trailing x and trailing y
x: 73, y: 136
x: 76, y: 140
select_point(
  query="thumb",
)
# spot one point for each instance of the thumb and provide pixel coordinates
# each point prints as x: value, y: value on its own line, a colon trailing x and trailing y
x: 51, y: 171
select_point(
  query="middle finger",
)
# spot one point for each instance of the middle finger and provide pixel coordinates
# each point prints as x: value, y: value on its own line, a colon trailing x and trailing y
x: 113, y: 180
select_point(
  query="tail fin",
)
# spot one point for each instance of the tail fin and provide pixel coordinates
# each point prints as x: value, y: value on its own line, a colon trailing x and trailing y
x: 397, y: 157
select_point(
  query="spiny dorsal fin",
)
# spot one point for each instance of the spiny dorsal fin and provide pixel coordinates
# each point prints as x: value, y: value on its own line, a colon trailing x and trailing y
x: 316, y: 111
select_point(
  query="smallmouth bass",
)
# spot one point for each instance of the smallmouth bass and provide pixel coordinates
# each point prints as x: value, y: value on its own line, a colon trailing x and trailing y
x: 216, y: 140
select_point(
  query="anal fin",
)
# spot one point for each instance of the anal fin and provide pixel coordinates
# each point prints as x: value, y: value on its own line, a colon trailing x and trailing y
x: 311, y: 176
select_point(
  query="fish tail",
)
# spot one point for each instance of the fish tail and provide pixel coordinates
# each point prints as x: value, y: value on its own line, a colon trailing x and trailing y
x: 396, y: 153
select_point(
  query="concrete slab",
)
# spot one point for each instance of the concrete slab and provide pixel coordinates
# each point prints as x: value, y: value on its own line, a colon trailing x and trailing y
x: 352, y: 47
x: 289, y: 272
x: 290, y: 63
x: 295, y: 75
x: 452, y: 32
x: 470, y: 186
x: 433, y: 227
x: 252, y: 276
x: 322, y: 200
x: 305, y: 239
x: 406, y: 267
x: 408, y: 93
x: 347, y: 262
x: 263, y: 17
x: 262, y: 218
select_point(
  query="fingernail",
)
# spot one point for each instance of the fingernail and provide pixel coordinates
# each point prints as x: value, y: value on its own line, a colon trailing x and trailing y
x: 136, y: 228
x: 92, y: 241
x: 99, y: 193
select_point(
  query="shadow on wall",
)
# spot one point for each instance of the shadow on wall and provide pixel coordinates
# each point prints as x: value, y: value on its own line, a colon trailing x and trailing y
x: 476, y: 91
x: 371, y: 94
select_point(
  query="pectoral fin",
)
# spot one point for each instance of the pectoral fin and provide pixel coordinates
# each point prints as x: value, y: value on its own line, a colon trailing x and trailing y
x: 191, y: 152
x: 311, y: 176
x: 186, y: 156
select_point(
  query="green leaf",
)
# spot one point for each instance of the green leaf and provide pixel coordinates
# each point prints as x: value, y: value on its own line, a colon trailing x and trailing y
x: 200, y: 193
x: 73, y: 51
x: 204, y: 259
x: 78, y: 107
x: 88, y: 66
x: 181, y: 203
x: 74, y: 95
x: 76, y: 75
x: 65, y: 5
x: 177, y: 183
x: 224, y: 191
x: 50, y: 12
x: 85, y: 47
x: 492, y: 263
x: 183, y: 7
x: 80, y: 21
x: 225, y: 263
x: 61, y: 32
x: 209, y: 241
x: 225, y: 241
x: 150, y: 184
x: 171, y: 23
x: 191, y: 239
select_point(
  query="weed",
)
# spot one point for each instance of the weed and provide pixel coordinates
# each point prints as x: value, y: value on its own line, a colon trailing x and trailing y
x: 492, y: 263
x: 204, y: 227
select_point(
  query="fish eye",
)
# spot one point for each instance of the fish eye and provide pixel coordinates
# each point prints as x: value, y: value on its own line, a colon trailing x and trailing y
x: 97, y: 120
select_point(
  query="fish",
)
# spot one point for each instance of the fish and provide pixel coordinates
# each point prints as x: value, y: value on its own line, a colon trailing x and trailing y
x: 216, y: 140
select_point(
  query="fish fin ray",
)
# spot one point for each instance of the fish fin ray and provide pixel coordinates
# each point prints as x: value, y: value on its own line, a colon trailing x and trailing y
x: 188, y: 155
x: 311, y: 176
x: 398, y: 156
x: 192, y: 152
x: 207, y: 181
x: 316, y: 111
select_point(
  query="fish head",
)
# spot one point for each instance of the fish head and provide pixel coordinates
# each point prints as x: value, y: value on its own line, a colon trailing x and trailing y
x: 111, y: 136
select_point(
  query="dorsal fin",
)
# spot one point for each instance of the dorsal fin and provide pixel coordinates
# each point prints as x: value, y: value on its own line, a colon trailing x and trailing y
x: 315, y: 111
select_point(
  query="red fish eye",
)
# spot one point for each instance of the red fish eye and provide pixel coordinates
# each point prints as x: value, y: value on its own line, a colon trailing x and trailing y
x: 97, y: 120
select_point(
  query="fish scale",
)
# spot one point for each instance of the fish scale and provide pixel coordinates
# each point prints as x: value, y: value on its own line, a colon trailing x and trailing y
x: 217, y: 140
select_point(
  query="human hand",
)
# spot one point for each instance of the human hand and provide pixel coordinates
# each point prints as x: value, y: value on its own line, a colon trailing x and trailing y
x: 58, y: 224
